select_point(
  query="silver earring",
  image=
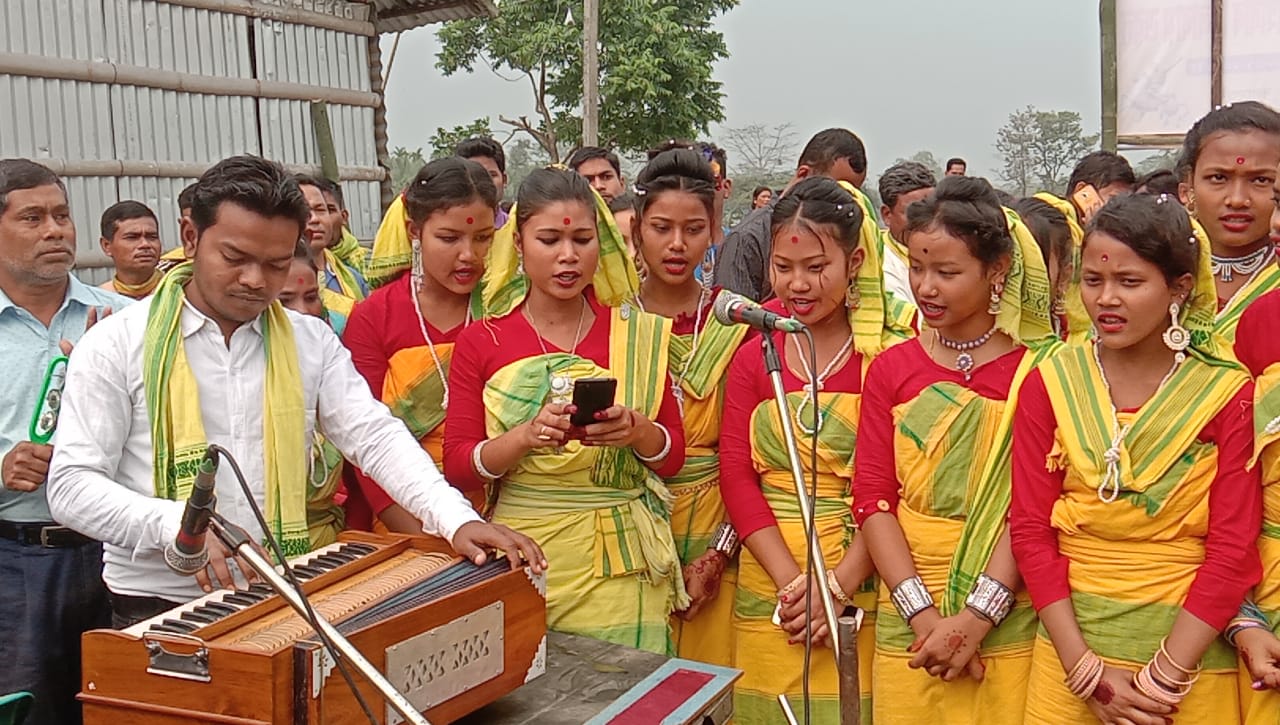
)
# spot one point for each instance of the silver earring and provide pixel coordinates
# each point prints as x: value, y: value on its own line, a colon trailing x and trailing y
x: 994, y: 307
x: 1176, y: 337
x: 415, y: 262
x: 519, y: 265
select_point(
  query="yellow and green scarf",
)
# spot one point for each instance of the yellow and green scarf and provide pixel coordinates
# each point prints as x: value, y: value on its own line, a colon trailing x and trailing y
x: 880, y: 320
x: 615, y: 281
x: 177, y: 433
x: 348, y: 250
x: 1078, y: 322
x: 392, y: 251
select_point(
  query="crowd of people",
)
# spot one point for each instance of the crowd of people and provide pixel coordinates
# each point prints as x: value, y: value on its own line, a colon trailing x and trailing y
x: 1039, y: 429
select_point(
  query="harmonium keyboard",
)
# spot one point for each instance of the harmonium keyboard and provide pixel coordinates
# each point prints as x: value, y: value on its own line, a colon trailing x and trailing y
x: 450, y: 635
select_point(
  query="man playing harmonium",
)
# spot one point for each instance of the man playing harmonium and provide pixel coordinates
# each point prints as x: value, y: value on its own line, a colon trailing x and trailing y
x: 213, y: 358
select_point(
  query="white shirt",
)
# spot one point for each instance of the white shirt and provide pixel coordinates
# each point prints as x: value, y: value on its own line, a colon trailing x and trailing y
x: 100, y: 480
x: 896, y: 276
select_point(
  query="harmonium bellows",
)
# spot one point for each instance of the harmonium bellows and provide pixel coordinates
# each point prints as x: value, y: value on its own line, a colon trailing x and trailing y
x: 450, y: 635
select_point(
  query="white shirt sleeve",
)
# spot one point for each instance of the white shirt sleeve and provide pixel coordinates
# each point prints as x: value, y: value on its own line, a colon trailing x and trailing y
x: 380, y: 444
x: 93, y: 427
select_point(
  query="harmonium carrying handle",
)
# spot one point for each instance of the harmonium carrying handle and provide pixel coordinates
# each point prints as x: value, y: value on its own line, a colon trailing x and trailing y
x: 193, y: 666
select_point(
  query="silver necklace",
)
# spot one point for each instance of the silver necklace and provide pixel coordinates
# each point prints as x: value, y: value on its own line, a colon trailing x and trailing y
x: 677, y: 382
x: 818, y: 418
x: 431, y: 348
x: 964, y: 361
x: 561, y: 384
x: 1109, y: 487
x: 1225, y: 268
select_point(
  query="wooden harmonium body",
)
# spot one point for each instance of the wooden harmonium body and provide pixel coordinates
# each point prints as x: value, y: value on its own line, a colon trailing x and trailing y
x: 450, y: 635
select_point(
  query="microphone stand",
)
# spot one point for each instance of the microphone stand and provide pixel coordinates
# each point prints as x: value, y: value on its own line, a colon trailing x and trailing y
x: 773, y: 364
x: 239, y: 542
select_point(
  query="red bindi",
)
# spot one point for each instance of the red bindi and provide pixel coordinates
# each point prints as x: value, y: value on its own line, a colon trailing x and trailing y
x: 299, y: 280
x: 795, y: 240
x: 471, y: 220
x: 1105, y: 257
x: 1240, y: 160
x: 567, y: 221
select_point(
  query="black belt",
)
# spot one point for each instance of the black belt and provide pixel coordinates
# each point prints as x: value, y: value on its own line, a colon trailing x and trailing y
x: 47, y: 535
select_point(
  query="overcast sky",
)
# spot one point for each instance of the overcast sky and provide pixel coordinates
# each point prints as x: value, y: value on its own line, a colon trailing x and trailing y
x: 905, y: 75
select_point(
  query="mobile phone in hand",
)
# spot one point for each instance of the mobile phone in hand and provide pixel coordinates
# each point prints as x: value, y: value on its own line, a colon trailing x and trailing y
x: 590, y: 396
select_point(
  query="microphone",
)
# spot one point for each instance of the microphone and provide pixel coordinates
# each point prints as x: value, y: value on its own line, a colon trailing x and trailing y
x: 734, y: 309
x: 187, y: 554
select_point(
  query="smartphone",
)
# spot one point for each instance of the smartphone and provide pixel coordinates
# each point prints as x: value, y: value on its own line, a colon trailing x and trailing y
x: 590, y: 396
x: 1087, y: 201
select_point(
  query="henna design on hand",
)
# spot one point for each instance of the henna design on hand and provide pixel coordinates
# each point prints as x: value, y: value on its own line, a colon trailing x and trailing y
x: 1104, y: 693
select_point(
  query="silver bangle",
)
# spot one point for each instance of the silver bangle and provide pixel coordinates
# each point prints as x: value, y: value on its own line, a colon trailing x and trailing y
x: 990, y: 599
x: 725, y: 540
x: 478, y: 464
x: 911, y: 598
x: 666, y: 447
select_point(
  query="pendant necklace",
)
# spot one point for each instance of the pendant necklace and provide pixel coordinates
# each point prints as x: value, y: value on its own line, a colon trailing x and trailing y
x: 431, y: 348
x: 1109, y: 487
x: 964, y: 361
x: 818, y: 418
x: 1225, y: 268
x: 561, y: 384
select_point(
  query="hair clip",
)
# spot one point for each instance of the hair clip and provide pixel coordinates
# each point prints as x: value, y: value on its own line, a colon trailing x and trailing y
x: 639, y: 190
x: 839, y: 207
x: 1162, y: 199
x: 1192, y: 239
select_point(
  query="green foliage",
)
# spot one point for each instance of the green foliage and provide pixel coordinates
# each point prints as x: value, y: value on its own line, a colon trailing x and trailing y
x: 1040, y: 148
x: 404, y: 166
x: 656, y: 58
x: 523, y: 156
x: 445, y: 140
x: 1167, y: 159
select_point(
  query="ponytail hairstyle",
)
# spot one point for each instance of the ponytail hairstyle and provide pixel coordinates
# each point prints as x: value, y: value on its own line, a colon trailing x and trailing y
x: 817, y: 202
x: 967, y: 208
x: 677, y: 169
x: 1233, y: 117
x: 1156, y: 228
x: 544, y: 187
x: 446, y: 183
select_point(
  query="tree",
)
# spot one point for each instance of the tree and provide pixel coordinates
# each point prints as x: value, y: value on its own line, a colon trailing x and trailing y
x: 445, y: 140
x: 523, y: 156
x: 404, y: 166
x: 928, y: 159
x: 1040, y: 148
x: 759, y: 155
x: 656, y: 58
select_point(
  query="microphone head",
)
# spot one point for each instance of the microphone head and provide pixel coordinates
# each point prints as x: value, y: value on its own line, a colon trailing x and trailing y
x: 725, y: 303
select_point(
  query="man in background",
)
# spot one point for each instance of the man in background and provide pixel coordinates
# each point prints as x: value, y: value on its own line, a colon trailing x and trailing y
x: 131, y: 239
x: 901, y: 185
x: 341, y: 285
x: 742, y: 262
x: 956, y: 167
x: 601, y: 168
x: 51, y: 587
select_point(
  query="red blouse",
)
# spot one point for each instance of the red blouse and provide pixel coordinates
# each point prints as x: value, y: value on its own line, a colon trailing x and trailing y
x: 897, y: 376
x: 485, y: 348
x: 1231, y: 564
x: 380, y: 326
x: 748, y: 386
x: 1258, y: 333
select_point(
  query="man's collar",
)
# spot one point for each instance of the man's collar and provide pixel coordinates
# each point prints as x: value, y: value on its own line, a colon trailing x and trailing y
x: 193, y: 319
x: 77, y: 291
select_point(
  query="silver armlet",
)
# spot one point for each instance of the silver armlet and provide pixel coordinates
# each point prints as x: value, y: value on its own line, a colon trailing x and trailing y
x: 911, y: 598
x: 990, y: 600
x: 725, y: 540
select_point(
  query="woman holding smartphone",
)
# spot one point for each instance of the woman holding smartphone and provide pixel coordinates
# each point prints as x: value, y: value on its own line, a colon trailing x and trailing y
x: 592, y: 495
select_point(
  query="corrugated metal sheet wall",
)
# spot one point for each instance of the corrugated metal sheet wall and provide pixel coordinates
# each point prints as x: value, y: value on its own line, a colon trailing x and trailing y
x: 78, y: 121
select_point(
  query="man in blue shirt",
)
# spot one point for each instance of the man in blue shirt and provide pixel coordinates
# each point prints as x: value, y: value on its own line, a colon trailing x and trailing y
x: 51, y: 586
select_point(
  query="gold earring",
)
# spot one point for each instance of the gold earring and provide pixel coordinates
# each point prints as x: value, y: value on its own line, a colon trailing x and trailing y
x: 853, y: 295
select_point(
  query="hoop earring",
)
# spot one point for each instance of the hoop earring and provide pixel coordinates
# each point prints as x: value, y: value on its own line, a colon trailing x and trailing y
x: 852, y: 296
x: 1176, y: 337
x: 996, y: 290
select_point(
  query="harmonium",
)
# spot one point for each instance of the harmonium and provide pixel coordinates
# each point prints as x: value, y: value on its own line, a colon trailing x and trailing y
x: 450, y: 635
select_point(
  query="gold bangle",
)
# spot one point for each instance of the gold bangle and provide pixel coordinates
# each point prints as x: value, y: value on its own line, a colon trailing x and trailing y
x: 1174, y: 663
x: 836, y: 590
x: 794, y: 585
